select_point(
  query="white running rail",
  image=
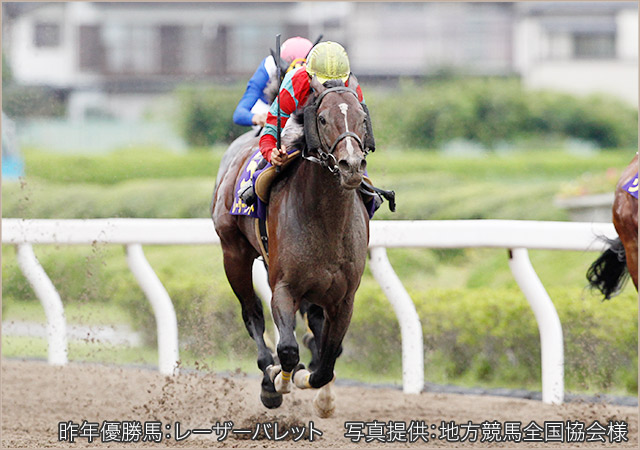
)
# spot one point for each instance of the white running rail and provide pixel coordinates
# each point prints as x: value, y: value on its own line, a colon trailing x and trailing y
x: 514, y: 235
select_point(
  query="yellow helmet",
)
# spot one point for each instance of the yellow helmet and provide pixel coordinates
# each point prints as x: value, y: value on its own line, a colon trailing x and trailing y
x: 328, y: 61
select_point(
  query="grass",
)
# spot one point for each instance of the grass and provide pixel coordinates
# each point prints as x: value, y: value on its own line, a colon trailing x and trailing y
x: 429, y: 185
x: 75, y: 313
x: 195, y: 280
x: 417, y: 165
x: 121, y: 165
x: 97, y: 288
x: 20, y: 347
x: 29, y: 347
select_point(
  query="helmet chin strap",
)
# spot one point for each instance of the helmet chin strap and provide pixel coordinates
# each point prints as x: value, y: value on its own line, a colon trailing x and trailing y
x: 298, y: 62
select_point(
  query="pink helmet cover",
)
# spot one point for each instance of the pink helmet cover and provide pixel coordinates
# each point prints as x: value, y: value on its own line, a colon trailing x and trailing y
x: 295, y: 48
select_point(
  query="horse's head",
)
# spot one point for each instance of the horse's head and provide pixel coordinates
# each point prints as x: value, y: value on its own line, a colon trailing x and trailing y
x: 338, y: 123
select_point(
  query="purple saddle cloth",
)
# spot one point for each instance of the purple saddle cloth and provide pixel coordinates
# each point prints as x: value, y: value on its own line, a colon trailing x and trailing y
x: 632, y: 186
x: 253, y: 167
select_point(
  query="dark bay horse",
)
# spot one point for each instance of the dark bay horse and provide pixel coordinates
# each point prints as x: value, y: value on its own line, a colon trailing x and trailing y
x: 610, y: 271
x: 318, y: 232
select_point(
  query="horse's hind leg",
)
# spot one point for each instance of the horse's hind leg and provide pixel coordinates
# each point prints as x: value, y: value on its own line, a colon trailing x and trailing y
x: 314, y: 320
x: 238, y: 262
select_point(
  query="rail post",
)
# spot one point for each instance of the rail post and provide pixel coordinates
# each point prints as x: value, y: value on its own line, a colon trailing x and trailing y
x: 410, y: 327
x: 551, y: 341
x: 166, y: 322
x: 50, y: 300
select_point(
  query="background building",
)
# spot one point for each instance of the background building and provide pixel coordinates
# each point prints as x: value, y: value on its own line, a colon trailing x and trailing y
x: 578, y: 47
x: 114, y: 58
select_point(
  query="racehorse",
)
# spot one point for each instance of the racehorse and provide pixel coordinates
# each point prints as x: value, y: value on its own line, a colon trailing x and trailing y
x: 318, y: 229
x: 611, y: 270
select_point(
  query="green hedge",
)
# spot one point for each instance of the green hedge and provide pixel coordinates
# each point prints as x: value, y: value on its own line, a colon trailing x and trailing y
x: 490, y: 112
x: 206, y: 114
x: 118, y: 166
x: 490, y: 337
x: 495, y: 112
x: 30, y: 101
x: 485, y: 335
x: 482, y: 334
x: 144, y: 183
x: 171, y: 198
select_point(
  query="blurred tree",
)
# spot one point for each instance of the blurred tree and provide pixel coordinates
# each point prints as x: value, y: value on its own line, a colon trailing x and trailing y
x: 7, y: 76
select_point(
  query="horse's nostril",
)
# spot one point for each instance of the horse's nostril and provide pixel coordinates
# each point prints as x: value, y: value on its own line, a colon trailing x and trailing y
x: 344, y: 165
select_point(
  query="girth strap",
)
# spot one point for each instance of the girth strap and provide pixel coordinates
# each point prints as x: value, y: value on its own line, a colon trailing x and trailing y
x: 263, y: 239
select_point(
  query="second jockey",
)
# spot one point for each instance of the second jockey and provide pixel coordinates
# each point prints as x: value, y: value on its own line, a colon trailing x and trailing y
x: 254, y: 104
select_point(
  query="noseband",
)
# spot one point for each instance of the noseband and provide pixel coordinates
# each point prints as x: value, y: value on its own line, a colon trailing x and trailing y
x: 315, y: 141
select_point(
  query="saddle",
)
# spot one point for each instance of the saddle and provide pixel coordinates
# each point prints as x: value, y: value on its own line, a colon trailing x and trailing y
x: 266, y: 177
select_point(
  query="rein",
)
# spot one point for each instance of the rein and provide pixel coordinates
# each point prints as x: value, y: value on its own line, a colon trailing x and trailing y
x: 327, y: 159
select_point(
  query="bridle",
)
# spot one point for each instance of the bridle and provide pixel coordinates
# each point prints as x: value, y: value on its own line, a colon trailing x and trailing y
x: 326, y: 158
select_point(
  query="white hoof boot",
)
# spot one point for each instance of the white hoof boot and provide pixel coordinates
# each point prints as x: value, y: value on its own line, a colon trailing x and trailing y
x: 324, y: 404
x: 283, y: 382
x: 301, y: 379
x: 272, y: 371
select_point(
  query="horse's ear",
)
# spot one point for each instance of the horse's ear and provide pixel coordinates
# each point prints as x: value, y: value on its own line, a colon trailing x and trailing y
x: 317, y: 86
x: 352, y: 82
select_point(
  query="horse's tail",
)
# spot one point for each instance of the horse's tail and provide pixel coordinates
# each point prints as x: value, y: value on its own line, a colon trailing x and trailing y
x: 609, y: 272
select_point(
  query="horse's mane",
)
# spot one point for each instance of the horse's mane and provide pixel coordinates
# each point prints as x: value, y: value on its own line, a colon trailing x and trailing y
x: 293, y: 135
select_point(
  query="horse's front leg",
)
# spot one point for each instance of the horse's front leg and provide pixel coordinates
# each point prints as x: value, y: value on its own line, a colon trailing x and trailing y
x: 284, y: 307
x: 337, y: 319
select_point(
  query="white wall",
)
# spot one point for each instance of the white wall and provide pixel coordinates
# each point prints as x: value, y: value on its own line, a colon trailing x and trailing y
x: 46, y: 65
x: 51, y: 66
x: 627, y: 44
x: 543, y: 62
x: 586, y: 77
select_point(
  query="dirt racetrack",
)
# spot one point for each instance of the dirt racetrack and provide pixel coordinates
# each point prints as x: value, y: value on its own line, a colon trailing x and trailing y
x: 36, y: 397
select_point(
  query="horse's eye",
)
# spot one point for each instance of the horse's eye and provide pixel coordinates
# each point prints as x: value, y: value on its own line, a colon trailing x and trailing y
x: 322, y: 120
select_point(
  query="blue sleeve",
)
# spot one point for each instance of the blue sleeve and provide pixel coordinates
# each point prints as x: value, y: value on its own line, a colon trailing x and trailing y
x: 255, y: 88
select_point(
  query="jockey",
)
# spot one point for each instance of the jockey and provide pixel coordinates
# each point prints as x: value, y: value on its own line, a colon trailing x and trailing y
x: 327, y: 61
x: 254, y: 104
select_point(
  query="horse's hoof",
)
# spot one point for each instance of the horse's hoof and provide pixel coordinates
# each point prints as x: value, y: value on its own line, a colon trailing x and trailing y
x: 271, y: 400
x: 323, y: 408
x: 324, y: 403
x: 268, y: 395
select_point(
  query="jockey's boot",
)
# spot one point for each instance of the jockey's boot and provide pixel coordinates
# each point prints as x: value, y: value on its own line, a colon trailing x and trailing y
x: 371, y: 199
x: 248, y: 196
x: 373, y: 194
